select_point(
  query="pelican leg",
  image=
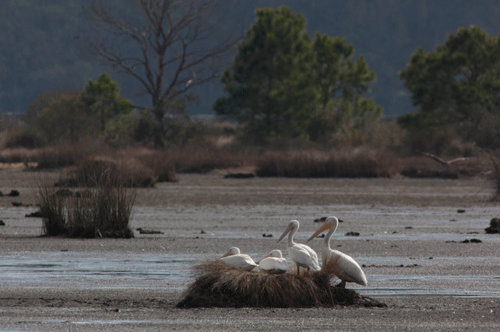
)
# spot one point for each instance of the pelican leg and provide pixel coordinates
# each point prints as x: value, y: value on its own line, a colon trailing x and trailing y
x: 342, y: 284
x: 298, y: 270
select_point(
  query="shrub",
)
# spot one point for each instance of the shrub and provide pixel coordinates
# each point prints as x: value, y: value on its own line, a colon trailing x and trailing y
x: 206, y: 159
x: 23, y: 139
x: 63, y: 119
x: 19, y: 155
x: 103, y: 211
x: 160, y: 162
x: 62, y: 156
x: 94, y: 170
x: 317, y: 164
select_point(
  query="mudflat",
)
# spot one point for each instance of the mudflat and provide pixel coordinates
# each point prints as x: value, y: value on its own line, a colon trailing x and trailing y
x: 421, y: 244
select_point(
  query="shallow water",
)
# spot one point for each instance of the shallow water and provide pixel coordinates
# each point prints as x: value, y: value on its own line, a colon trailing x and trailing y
x: 94, y: 271
x: 75, y: 270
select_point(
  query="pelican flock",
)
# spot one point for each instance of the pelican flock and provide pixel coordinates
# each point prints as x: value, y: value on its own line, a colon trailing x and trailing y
x: 346, y: 268
x: 342, y: 265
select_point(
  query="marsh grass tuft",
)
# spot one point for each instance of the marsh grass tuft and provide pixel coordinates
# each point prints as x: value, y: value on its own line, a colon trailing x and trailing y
x: 102, y: 211
x: 218, y: 285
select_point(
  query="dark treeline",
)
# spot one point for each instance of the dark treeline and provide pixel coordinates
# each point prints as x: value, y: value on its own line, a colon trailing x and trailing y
x: 39, y: 42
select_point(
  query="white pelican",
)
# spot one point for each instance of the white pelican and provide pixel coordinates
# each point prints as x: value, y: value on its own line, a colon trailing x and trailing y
x: 300, y: 254
x: 273, y: 263
x: 234, y: 259
x: 444, y: 163
x: 346, y: 267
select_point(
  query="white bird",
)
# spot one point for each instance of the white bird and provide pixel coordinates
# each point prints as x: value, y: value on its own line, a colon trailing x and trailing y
x: 300, y: 254
x: 346, y: 268
x: 234, y: 259
x: 273, y: 263
x: 443, y: 162
x: 191, y: 80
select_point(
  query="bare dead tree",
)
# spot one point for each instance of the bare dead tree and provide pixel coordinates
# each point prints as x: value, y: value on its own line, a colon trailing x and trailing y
x: 176, y: 42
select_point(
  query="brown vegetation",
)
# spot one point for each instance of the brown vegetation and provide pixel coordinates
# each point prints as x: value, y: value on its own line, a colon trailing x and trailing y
x: 94, y: 170
x: 334, y: 163
x: 103, y: 211
x: 144, y: 167
x: 218, y: 285
x: 424, y: 167
x: 206, y: 159
x: 495, y: 175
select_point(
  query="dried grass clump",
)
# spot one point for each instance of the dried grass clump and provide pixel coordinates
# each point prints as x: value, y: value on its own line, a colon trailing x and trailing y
x: 65, y: 154
x: 103, y: 211
x: 319, y: 164
x: 60, y: 157
x: 19, y: 155
x: 204, y: 160
x: 218, y: 285
x: 160, y: 162
x: 121, y: 172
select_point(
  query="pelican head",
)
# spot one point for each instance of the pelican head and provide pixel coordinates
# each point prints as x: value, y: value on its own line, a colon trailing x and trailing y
x: 292, y: 226
x: 330, y: 222
x: 231, y: 251
x: 275, y: 253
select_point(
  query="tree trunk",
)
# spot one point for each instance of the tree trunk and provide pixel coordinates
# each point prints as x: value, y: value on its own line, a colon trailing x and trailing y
x: 159, y: 130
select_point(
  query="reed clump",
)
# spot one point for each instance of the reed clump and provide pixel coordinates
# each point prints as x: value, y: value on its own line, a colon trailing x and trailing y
x: 101, y: 211
x: 218, y: 285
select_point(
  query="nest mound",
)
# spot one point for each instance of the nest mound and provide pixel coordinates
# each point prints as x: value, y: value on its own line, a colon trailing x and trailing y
x: 218, y: 285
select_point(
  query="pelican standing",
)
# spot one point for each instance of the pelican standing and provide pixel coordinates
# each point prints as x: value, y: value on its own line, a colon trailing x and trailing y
x: 234, y: 259
x: 300, y: 254
x: 273, y: 263
x: 346, y: 267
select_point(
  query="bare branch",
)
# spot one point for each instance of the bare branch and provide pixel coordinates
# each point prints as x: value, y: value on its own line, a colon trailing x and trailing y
x: 175, y: 42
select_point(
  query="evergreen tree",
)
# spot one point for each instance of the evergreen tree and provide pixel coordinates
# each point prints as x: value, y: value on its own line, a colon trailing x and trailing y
x: 337, y: 75
x: 103, y: 100
x: 282, y: 82
x: 270, y: 83
x: 456, y: 82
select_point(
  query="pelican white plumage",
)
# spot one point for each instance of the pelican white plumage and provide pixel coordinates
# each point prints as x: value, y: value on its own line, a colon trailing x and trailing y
x: 444, y: 163
x: 237, y: 260
x: 273, y: 263
x: 346, y: 268
x: 300, y: 254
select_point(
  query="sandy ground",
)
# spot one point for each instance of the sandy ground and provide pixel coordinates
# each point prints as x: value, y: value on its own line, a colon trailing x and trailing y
x: 206, y: 214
